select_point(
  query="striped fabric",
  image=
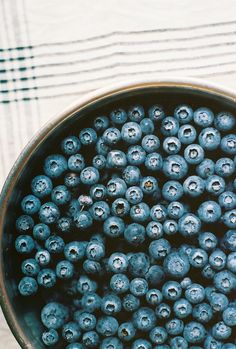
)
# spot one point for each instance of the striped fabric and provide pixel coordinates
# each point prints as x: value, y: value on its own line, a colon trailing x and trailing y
x: 54, y: 51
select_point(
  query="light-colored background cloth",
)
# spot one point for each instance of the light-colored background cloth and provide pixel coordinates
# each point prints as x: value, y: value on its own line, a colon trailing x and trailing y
x: 54, y: 51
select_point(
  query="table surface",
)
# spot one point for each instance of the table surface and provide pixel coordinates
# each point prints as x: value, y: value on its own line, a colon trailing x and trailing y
x: 73, y: 47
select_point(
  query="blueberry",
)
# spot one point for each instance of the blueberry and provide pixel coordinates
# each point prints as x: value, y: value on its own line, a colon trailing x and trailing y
x: 229, y: 241
x: 87, y: 321
x: 194, y: 186
x: 118, y: 116
x: 111, y: 343
x: 85, y: 285
x: 154, y: 297
x: 118, y: 262
x: 141, y: 344
x: 185, y: 282
x: 195, y: 293
x: 75, y: 346
x: 227, y: 200
x: 119, y: 283
x: 131, y: 132
x: 30, y: 204
x: 154, y: 230
x: 203, y: 117
x: 64, y: 224
x: 30, y: 267
x: 60, y: 195
x: 91, y: 302
x: 183, y: 113
x: 95, y: 250
x: 90, y: 339
x: 229, y: 316
x: 138, y: 287
x: 175, y: 167
x: 134, y: 195
x: 111, y: 136
x: 231, y: 262
x: 158, y: 335
x: 144, y: 319
x: 99, y: 162
x: 150, y: 143
x: 159, y: 249
x: 114, y: 227
x: 107, y: 326
x: 198, y: 258
x: 101, y: 147
x: 217, y: 259
x: 88, y: 136
x: 174, y: 327
x: 154, y: 162
x: 130, y: 303
x: 187, y: 134
x: 156, y: 113
x: 98, y: 192
x: 194, y: 154
x: 83, y: 220
x: 212, y: 343
x: 49, y: 213
x: 218, y: 302
x: 158, y: 213
x: 224, y: 167
x: 175, y: 210
x: 54, y: 244
x: 171, y: 145
x: 92, y: 267
x: 54, y: 315
x: 70, y: 145
x: 189, y: 225
x: 148, y: 185
x: 169, y: 126
x: 136, y: 113
x: 46, y: 278
x: 24, y: 244
x: 27, y: 286
x: 224, y: 121
x: 182, y: 308
x: 136, y: 155
x: 43, y: 257
x: 126, y: 331
x: 111, y: 304
x: 155, y: 275
x: 171, y: 290
x: 120, y: 207
x: 140, y: 212
x: 209, y: 138
x: 228, y: 144
x: 229, y: 219
x: 208, y: 272
x: 131, y: 175
x: 176, y: 265
x: 89, y: 176
x: 194, y: 332
x: 225, y: 281
x: 100, y: 211
x: 215, y: 185
x: 116, y: 187
x: 71, y: 332
x: 54, y: 166
x: 50, y: 337
x: 202, y: 313
x: 163, y: 311
x: 172, y: 190
x: 64, y: 270
x: 221, y: 331
x: 147, y: 126
x: 24, y: 223
x: 206, y: 168
x: 207, y: 241
x: 116, y: 159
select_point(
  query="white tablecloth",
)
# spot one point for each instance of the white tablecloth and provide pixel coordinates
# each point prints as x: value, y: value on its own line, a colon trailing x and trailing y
x: 53, y: 51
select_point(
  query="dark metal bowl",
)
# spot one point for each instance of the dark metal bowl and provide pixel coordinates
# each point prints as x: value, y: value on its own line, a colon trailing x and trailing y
x: 23, y: 315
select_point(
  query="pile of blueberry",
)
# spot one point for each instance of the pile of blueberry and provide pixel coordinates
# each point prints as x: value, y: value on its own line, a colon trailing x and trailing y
x: 129, y: 233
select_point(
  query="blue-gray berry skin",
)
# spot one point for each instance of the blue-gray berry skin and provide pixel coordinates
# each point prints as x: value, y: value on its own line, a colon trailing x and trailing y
x: 130, y: 303
x: 211, y: 342
x: 24, y: 224
x: 194, y: 332
x: 30, y: 204
x: 206, y: 168
x: 175, y: 167
x: 203, y: 117
x: 187, y: 134
x: 221, y: 331
x: 225, y: 281
x: 107, y: 326
x: 202, y: 313
x: 55, y: 165
x: 87, y: 321
x: 49, y: 213
x: 54, y: 315
x: 88, y: 136
x: 126, y: 331
x: 174, y: 327
x: 70, y: 145
x: 118, y: 116
x: 178, y: 342
x: 111, y: 304
x: 182, y: 308
x: 229, y: 316
x: 28, y: 286
x: 71, y: 332
x: 176, y: 265
x: 50, y: 337
x: 90, y: 339
x: 195, y: 293
x: 136, y: 113
x: 224, y: 121
x: 131, y: 133
x: 24, y: 244
x: 41, y: 186
x: 144, y: 319
x: 156, y: 113
x: 30, y: 267
x: 209, y: 138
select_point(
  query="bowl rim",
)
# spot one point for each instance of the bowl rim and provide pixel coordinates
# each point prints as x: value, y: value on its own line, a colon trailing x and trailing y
x: 83, y: 102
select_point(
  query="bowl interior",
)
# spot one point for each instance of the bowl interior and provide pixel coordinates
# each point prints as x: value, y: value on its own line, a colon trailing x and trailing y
x: 26, y: 311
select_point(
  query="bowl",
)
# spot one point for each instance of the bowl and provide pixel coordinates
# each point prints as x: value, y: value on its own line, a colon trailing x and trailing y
x: 21, y: 314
